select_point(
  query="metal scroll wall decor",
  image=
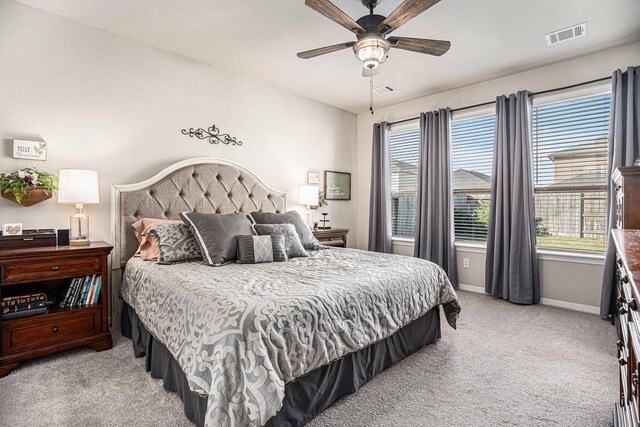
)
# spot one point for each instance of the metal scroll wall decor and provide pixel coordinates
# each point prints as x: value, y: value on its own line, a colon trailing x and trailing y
x: 213, y: 135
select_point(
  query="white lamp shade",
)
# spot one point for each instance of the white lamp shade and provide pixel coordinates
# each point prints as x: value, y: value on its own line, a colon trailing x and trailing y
x: 308, y: 195
x: 78, y: 186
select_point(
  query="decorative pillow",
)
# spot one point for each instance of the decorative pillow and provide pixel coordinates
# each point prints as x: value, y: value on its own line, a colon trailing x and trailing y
x: 292, y: 217
x: 292, y: 243
x: 148, y: 250
x: 256, y: 249
x: 216, y: 234
x: 175, y: 243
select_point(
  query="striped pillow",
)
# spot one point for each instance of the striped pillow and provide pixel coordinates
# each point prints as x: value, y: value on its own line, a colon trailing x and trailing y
x: 257, y: 249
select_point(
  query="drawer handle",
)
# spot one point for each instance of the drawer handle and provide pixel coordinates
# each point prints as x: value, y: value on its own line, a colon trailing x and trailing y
x: 55, y: 329
x: 55, y: 268
x: 622, y: 361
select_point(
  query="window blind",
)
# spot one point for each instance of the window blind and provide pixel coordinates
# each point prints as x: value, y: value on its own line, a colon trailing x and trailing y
x: 404, y: 147
x: 569, y: 149
x: 471, y: 158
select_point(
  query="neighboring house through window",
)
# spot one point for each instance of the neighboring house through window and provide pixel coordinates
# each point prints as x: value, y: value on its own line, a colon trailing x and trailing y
x: 570, y: 142
x: 569, y: 154
x: 471, y: 158
x: 404, y: 145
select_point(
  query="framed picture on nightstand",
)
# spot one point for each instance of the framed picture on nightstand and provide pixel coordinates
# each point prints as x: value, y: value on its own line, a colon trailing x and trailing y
x: 13, y: 229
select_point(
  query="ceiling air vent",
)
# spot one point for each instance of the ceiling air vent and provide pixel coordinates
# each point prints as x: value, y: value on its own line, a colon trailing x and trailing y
x: 383, y: 90
x: 567, y: 34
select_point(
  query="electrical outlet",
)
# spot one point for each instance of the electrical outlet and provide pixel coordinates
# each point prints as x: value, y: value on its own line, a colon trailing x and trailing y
x: 465, y: 262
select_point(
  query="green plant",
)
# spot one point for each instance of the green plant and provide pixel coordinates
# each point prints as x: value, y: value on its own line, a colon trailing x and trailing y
x: 481, y: 213
x: 23, y: 181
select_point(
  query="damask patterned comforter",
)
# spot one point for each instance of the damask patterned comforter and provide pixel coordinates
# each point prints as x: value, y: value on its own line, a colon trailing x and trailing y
x: 241, y: 332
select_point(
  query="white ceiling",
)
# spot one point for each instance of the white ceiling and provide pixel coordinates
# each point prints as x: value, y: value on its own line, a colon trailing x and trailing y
x: 490, y: 38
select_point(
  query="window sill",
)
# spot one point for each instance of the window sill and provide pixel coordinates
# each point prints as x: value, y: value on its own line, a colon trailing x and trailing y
x: 575, y: 257
x: 402, y: 241
x: 543, y: 254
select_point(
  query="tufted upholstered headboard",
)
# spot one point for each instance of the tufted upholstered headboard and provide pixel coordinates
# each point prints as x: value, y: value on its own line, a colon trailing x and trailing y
x: 201, y: 184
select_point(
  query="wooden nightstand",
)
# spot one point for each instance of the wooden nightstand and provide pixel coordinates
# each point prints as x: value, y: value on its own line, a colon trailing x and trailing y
x: 50, y: 270
x: 333, y: 237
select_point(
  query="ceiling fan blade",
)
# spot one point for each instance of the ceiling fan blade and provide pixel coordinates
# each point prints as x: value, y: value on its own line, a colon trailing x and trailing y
x: 368, y: 72
x: 322, y: 50
x: 428, y: 46
x: 331, y: 11
x: 408, y: 10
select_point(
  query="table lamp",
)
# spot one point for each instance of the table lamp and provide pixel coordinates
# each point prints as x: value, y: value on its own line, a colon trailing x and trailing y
x: 77, y: 186
x: 308, y: 196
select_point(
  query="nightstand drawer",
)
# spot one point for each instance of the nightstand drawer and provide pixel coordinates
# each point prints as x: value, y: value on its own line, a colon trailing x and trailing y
x: 332, y: 242
x: 19, y: 335
x: 332, y: 237
x: 55, y: 269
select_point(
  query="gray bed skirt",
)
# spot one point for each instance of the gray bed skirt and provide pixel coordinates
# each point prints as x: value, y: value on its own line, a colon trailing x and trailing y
x: 308, y: 395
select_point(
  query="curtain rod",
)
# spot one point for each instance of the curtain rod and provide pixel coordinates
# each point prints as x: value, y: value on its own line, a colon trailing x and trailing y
x: 530, y: 94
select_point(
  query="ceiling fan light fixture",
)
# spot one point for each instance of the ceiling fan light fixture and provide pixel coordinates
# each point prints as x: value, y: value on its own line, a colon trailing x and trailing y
x: 371, y: 50
x: 370, y: 64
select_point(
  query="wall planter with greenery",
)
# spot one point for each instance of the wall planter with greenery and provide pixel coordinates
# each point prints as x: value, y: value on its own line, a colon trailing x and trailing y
x: 27, y: 186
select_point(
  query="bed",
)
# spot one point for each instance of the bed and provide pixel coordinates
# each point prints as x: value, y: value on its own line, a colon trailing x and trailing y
x: 265, y: 344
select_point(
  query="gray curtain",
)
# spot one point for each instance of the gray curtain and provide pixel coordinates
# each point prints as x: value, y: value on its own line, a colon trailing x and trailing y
x: 511, y: 270
x: 380, y: 201
x: 624, y: 149
x: 434, y: 205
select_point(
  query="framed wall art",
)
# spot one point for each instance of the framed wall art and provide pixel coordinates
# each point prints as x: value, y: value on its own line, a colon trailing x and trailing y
x: 337, y: 185
x: 29, y: 150
x: 313, y: 177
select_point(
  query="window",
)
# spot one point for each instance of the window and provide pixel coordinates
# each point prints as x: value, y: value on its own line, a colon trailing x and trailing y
x: 570, y: 141
x: 471, y: 158
x: 404, y: 147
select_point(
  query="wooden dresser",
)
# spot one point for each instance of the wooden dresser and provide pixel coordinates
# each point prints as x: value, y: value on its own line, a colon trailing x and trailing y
x: 628, y: 322
x: 626, y: 182
x: 626, y: 236
x: 336, y: 237
x: 49, y: 270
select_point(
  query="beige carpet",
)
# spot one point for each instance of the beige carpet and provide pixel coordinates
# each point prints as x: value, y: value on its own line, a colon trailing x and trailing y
x: 506, y: 365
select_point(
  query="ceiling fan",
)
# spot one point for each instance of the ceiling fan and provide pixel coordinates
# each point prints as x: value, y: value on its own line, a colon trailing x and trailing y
x: 372, y: 45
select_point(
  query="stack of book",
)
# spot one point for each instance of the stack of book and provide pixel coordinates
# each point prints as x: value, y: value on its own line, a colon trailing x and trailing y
x: 82, y: 292
x: 23, y: 305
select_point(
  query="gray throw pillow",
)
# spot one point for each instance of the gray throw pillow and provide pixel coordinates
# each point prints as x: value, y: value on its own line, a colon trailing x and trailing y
x: 175, y: 243
x: 292, y: 243
x: 292, y: 217
x: 216, y: 234
x: 256, y: 249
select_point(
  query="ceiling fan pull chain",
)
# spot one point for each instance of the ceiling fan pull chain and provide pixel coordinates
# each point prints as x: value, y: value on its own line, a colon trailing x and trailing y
x: 371, y: 94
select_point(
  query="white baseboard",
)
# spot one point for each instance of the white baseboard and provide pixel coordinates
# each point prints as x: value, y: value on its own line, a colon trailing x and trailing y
x: 544, y: 301
x: 470, y: 288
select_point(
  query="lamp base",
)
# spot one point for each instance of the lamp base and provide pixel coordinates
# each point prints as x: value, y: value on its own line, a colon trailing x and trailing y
x: 80, y: 242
